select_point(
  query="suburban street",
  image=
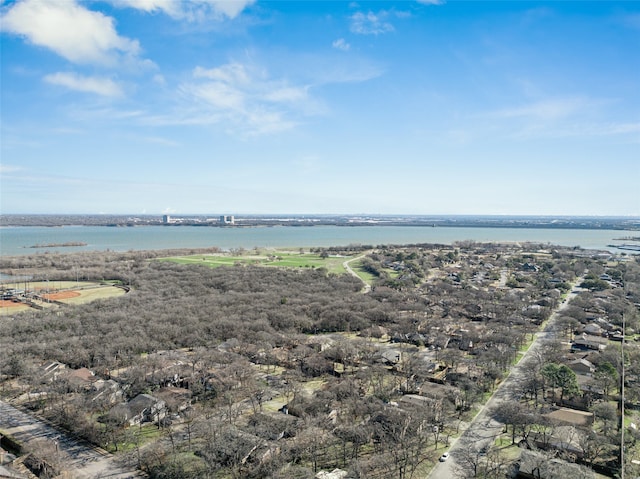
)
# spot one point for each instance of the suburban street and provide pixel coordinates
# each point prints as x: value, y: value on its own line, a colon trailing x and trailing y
x: 483, y: 430
x: 77, y: 458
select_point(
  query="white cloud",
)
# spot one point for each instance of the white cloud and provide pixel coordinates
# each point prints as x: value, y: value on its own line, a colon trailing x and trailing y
x: 72, y: 31
x: 370, y: 23
x: 342, y: 70
x: 219, y: 95
x: 65, y: 130
x: 159, y: 79
x: 73, y: 81
x: 621, y: 128
x: 233, y: 73
x: 169, y: 7
x: 544, y: 110
x: 590, y: 130
x: 246, y: 100
x: 432, y: 2
x: 230, y: 8
x: 190, y: 10
x: 564, y: 117
x: 4, y: 169
x: 341, y: 44
x: 287, y: 94
x: 243, y: 98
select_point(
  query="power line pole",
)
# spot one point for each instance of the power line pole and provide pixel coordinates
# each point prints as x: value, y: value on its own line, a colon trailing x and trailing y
x: 622, y: 401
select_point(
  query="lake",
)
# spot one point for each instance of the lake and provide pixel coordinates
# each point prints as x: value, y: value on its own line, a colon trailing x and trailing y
x: 18, y: 241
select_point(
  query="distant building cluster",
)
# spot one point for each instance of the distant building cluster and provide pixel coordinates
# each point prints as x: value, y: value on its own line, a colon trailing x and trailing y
x: 223, y: 219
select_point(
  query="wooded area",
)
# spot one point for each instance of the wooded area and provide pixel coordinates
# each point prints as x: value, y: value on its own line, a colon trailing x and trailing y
x: 250, y: 371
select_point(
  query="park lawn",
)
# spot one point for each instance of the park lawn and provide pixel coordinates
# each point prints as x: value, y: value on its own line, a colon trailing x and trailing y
x: 274, y: 404
x: 368, y: 277
x: 100, y: 292
x: 365, y: 276
x: 509, y: 452
x: 139, y: 436
x: 83, y: 291
x: 308, y: 387
x: 8, y: 308
x: 282, y: 259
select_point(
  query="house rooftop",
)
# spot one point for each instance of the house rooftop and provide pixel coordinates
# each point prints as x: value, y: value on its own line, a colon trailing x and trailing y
x: 571, y: 416
x: 540, y: 465
x: 82, y: 374
x: 141, y: 402
x: 582, y: 362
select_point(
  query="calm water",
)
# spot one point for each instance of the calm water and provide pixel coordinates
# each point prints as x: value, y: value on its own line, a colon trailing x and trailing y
x: 17, y: 240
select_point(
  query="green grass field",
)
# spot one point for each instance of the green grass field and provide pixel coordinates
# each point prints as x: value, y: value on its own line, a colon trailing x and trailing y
x: 282, y: 259
x: 365, y: 276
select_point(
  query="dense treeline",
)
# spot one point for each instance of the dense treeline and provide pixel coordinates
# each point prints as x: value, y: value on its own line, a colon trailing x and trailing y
x: 233, y: 338
x: 174, y: 306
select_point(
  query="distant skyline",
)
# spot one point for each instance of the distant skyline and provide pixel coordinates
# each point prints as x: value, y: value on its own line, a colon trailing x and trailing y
x: 300, y: 107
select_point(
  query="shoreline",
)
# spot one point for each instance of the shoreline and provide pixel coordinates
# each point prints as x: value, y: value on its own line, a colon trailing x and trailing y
x: 248, y: 221
x: 14, y: 241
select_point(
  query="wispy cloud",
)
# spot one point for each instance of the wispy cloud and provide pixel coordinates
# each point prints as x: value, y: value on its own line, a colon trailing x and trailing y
x: 189, y: 10
x: 235, y: 73
x: 371, y: 23
x: 287, y: 94
x: 341, y: 44
x: 247, y: 100
x: 621, y: 129
x: 544, y: 110
x: 561, y: 121
x: 67, y: 131
x: 432, y: 2
x: 243, y: 96
x: 342, y: 69
x: 70, y: 30
x: 73, y: 81
x: 561, y: 117
x: 4, y: 169
x: 159, y: 79
x: 590, y: 130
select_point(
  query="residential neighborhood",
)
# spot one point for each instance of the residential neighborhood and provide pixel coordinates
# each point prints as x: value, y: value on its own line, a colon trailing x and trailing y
x: 319, y: 387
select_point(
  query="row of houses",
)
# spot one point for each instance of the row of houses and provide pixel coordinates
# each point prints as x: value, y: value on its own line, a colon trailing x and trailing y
x: 111, y: 394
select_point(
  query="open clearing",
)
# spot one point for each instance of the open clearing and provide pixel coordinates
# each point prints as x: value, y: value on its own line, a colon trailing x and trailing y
x: 282, y: 259
x: 43, y: 294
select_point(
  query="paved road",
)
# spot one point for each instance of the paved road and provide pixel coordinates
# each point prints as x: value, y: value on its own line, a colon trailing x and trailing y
x: 367, y: 286
x: 483, y: 430
x: 79, y: 459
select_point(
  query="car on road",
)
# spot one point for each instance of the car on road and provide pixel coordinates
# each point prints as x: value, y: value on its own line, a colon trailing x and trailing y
x: 444, y: 457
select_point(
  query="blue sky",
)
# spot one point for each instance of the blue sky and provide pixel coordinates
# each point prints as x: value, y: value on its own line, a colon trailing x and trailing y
x: 238, y: 107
